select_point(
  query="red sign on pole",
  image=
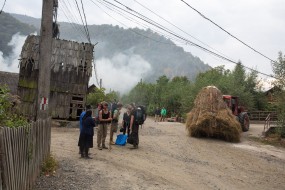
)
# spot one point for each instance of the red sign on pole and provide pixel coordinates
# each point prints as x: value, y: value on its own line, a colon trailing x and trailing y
x: 44, y: 103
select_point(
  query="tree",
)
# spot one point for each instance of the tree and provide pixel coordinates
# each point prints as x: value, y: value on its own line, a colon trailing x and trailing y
x: 8, y: 110
x: 279, y: 73
x: 99, y: 95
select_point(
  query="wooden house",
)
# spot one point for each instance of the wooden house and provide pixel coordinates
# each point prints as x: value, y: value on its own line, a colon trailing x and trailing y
x: 71, y: 68
x: 271, y: 94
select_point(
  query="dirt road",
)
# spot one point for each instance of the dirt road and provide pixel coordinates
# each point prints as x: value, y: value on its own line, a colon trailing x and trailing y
x: 166, y: 159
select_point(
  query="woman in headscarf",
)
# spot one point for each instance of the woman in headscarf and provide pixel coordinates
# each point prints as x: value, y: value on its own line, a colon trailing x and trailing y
x: 86, y: 134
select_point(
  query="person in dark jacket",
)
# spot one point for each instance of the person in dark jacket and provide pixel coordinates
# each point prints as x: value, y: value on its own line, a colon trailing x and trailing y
x: 88, y: 107
x: 134, y: 128
x: 157, y: 114
x: 86, y: 134
x: 127, y: 120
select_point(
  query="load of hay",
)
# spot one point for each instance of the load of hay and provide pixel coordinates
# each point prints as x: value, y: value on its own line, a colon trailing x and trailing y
x: 211, y: 117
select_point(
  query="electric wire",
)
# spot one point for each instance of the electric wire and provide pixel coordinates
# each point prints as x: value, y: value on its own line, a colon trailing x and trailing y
x: 151, y: 27
x: 3, y: 6
x: 73, y: 16
x: 228, y: 32
x: 178, y: 27
x: 82, y: 20
x: 72, y: 20
x: 73, y: 25
x: 188, y: 42
x: 141, y: 15
x: 141, y: 24
x: 132, y: 30
x: 86, y: 26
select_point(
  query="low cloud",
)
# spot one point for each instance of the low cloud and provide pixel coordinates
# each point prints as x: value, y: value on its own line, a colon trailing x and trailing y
x: 122, y: 72
x: 10, y: 63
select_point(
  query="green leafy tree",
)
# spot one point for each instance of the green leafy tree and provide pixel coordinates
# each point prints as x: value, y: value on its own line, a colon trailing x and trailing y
x: 99, y: 95
x: 279, y: 72
x: 8, y: 113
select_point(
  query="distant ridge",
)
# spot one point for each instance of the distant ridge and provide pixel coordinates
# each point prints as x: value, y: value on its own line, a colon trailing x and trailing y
x: 165, y: 57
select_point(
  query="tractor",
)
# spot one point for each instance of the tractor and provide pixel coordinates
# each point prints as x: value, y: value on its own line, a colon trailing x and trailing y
x: 242, y: 116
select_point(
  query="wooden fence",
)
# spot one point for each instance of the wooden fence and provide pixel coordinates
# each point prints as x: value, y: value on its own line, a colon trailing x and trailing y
x: 262, y: 115
x: 22, y: 151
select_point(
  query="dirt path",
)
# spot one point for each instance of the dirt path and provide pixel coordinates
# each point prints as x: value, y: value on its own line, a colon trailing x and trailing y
x: 166, y: 159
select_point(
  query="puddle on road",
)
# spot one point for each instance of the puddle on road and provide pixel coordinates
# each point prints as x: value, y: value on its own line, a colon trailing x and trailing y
x: 270, y: 150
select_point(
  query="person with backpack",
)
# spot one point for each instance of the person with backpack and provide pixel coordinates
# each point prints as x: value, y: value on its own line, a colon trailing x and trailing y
x: 86, y: 134
x: 163, y: 114
x: 105, y: 118
x: 138, y: 116
x: 126, y: 121
x: 115, y: 120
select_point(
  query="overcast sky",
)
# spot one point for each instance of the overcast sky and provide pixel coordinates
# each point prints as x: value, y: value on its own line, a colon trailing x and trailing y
x: 259, y: 23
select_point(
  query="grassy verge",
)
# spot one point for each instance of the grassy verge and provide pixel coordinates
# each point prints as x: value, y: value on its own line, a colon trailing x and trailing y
x: 272, y: 139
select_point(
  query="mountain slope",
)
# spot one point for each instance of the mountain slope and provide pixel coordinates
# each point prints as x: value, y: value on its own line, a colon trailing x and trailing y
x: 162, y: 54
x: 10, y: 26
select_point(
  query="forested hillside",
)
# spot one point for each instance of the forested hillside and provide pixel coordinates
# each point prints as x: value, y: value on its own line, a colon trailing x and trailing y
x: 10, y: 26
x: 163, y: 55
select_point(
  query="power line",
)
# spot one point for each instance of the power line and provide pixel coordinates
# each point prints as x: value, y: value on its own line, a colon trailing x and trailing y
x: 177, y: 27
x: 227, y: 32
x: 3, y: 7
x: 82, y: 20
x: 85, y: 22
x: 182, y: 38
x: 145, y: 19
x: 71, y: 17
x: 132, y: 30
x: 137, y: 22
x: 81, y: 34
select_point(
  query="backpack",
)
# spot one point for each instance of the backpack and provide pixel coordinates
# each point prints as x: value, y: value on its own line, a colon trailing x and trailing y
x: 121, y: 139
x: 140, y: 115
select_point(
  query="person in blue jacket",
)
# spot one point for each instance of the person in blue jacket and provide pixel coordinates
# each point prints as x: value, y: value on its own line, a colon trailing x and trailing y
x: 88, y: 107
x: 86, y: 134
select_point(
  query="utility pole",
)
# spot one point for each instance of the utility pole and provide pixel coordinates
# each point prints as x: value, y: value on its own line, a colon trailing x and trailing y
x: 45, y: 53
x: 100, y: 83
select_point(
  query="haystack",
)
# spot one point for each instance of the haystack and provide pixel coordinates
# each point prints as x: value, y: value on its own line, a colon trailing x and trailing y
x: 211, y: 117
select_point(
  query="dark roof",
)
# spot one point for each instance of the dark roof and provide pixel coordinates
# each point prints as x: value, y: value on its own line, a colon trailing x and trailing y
x: 273, y: 89
x: 11, y: 80
x: 91, y: 89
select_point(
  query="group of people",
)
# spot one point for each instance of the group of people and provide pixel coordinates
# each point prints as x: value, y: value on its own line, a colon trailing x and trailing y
x: 104, y: 118
x: 160, y: 114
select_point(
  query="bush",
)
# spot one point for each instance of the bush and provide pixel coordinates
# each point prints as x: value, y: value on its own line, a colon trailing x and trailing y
x: 50, y: 165
x: 8, y: 110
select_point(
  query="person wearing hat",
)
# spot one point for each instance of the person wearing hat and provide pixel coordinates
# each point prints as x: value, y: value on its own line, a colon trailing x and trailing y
x: 86, y: 134
x: 115, y: 121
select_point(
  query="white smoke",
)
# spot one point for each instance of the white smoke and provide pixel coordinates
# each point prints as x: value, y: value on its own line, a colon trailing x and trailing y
x: 10, y: 63
x: 121, y: 72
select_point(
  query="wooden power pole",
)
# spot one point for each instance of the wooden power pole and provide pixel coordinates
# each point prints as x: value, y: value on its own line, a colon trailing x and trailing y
x: 45, y: 54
